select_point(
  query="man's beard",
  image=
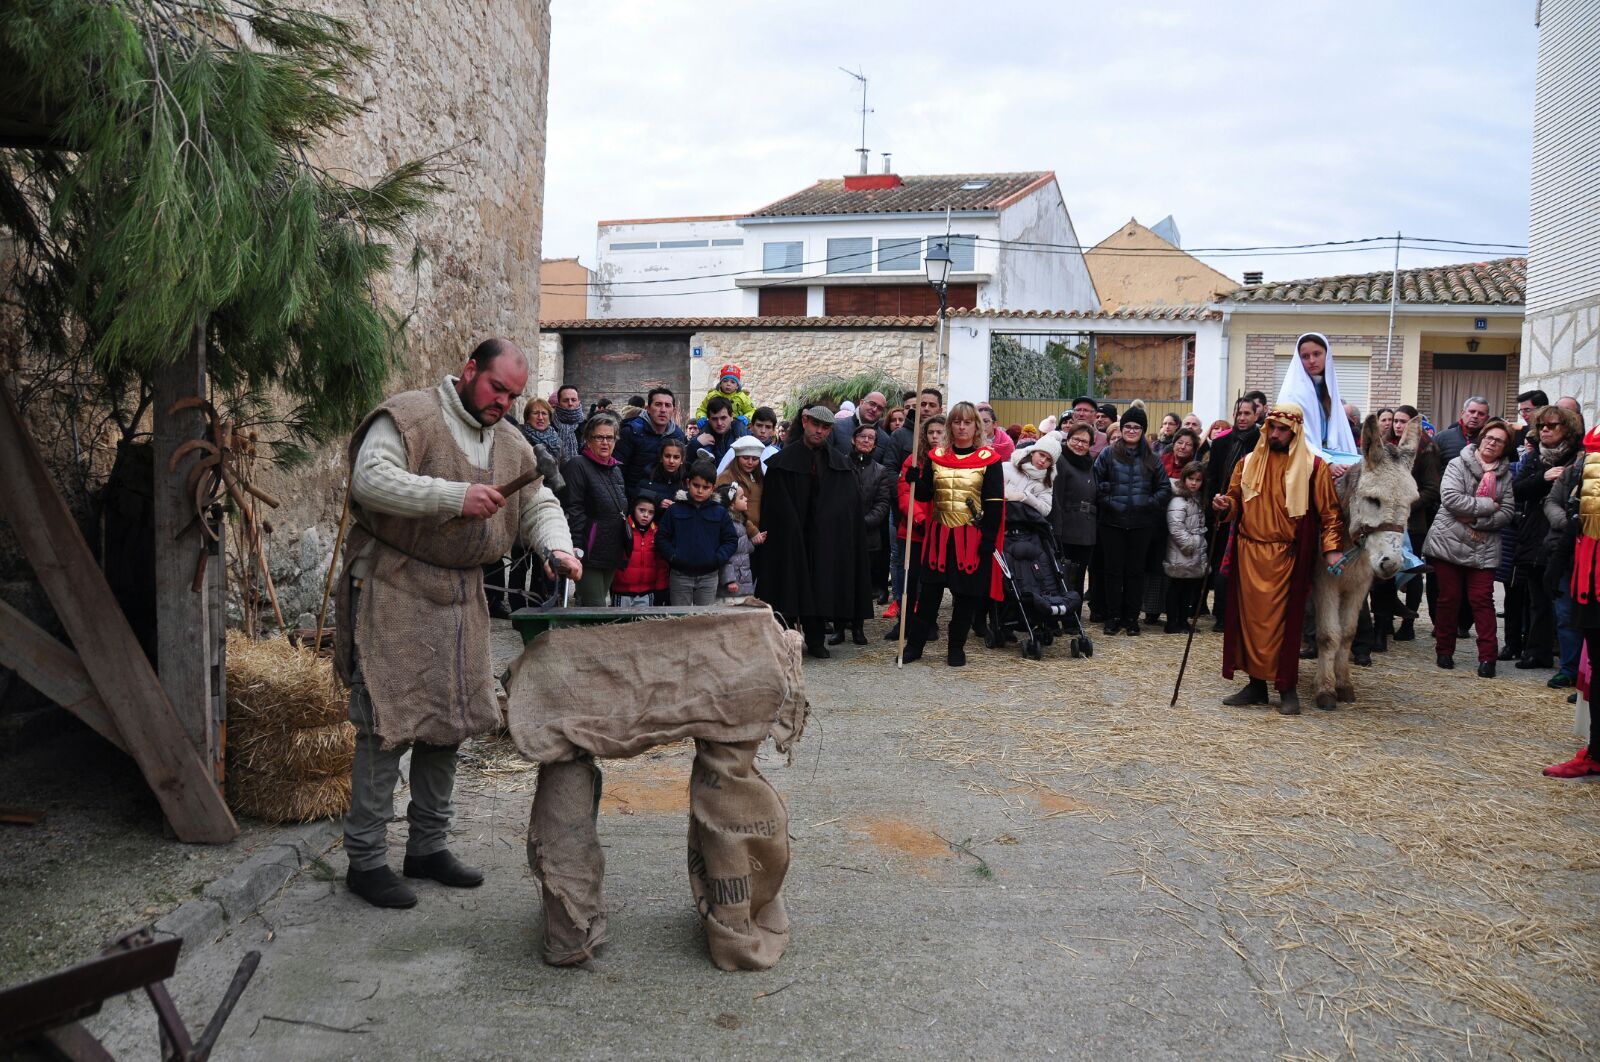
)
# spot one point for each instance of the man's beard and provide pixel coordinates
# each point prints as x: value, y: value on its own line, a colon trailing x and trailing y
x: 464, y: 393
x: 1277, y: 447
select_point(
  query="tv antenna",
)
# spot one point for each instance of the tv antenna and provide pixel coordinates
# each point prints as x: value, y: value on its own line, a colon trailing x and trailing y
x: 862, y: 150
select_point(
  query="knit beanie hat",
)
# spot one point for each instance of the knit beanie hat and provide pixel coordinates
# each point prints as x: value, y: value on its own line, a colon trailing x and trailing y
x: 727, y: 371
x: 1135, y: 415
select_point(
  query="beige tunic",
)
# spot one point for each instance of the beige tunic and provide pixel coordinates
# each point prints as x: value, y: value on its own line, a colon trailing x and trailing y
x: 423, y: 629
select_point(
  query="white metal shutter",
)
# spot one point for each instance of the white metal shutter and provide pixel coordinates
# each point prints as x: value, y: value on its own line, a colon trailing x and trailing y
x: 1354, y: 374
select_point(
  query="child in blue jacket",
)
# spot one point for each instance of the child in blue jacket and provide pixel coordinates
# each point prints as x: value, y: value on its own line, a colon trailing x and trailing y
x: 697, y: 538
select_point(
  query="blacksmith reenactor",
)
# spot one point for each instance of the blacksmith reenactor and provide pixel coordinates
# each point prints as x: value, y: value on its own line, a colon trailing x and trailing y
x: 1288, y: 519
x: 413, y: 631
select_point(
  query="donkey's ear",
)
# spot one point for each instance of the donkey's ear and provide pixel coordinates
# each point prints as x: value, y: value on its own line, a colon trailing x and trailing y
x: 1410, y: 441
x: 1371, y: 441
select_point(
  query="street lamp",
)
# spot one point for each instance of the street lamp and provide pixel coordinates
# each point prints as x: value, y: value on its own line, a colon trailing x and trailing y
x: 938, y: 263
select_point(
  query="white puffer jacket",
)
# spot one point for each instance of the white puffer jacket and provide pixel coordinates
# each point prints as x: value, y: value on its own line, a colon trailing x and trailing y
x: 1186, y: 537
x: 1036, y: 491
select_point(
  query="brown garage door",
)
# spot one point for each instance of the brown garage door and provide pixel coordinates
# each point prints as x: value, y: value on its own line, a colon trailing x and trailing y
x: 617, y: 367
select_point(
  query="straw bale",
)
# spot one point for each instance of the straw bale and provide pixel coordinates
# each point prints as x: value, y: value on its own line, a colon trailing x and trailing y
x: 291, y: 755
x: 276, y: 684
x: 265, y: 797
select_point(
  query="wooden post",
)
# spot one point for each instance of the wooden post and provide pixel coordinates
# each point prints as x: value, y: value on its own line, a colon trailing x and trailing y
x: 55, y: 671
x: 106, y: 646
x: 911, y: 509
x: 188, y: 657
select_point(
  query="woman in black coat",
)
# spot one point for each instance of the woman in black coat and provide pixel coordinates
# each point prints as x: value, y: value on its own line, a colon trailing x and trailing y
x: 1133, y: 491
x: 875, y: 484
x: 1073, y: 510
x: 597, y: 509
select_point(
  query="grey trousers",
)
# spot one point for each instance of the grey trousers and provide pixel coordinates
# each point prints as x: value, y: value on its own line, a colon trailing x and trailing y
x: 372, y: 781
x: 686, y: 589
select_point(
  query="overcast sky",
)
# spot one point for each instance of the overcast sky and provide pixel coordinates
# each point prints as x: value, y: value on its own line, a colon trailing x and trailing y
x: 1251, y: 123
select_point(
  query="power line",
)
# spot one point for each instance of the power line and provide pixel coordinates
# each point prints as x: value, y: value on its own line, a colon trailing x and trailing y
x: 1367, y: 243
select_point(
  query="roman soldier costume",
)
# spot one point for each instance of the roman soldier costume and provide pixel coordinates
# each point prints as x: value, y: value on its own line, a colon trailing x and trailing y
x: 967, y: 491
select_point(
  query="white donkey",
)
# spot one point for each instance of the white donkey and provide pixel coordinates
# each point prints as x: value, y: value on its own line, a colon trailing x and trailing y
x: 1376, y: 495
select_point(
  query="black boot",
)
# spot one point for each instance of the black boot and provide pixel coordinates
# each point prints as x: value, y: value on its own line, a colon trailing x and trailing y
x: 1486, y: 669
x: 1254, y: 692
x: 837, y: 637
x: 1289, y: 702
x: 380, y: 887
x: 857, y: 635
x: 955, y: 655
x: 912, y: 652
x: 445, y: 868
x: 1445, y: 661
x: 894, y: 632
x: 1407, y: 631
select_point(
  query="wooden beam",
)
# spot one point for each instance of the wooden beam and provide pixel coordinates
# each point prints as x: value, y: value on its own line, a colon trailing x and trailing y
x: 185, y: 646
x: 106, y: 645
x: 53, y: 670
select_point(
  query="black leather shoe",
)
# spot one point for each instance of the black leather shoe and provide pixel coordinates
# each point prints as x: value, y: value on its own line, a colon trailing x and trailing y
x: 1308, y: 652
x: 443, y: 867
x: 837, y: 637
x: 1508, y: 653
x: 1113, y: 626
x: 380, y: 888
x: 858, y: 637
x: 1407, y: 631
x: 1361, y: 659
x: 1486, y: 669
x: 955, y: 657
x: 912, y: 652
x: 894, y: 632
x: 1446, y: 661
x: 820, y: 651
x: 1131, y: 629
x: 1529, y: 663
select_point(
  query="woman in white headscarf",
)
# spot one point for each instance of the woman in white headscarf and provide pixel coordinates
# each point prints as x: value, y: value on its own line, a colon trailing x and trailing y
x: 1313, y: 386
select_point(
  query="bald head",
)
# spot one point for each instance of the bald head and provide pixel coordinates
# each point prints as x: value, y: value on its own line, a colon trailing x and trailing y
x: 492, y: 378
x: 1568, y: 402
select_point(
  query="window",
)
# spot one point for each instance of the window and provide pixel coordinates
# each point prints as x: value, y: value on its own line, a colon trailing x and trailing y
x: 782, y: 257
x: 962, y: 251
x: 649, y: 246
x: 974, y: 186
x: 787, y: 301
x: 891, y: 300
x: 682, y: 243
x: 727, y: 243
x: 1354, y: 373
x: 899, y: 255
x: 850, y: 255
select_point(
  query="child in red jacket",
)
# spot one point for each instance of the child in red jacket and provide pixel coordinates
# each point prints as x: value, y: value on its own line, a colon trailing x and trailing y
x: 644, y: 581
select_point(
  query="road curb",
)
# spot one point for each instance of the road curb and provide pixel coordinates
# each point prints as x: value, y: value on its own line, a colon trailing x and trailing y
x: 240, y: 893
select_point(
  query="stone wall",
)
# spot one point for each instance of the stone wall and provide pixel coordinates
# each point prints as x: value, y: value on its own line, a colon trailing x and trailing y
x: 1562, y: 353
x: 777, y: 363
x: 471, y: 80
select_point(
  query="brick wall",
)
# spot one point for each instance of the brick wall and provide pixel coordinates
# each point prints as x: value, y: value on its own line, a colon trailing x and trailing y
x: 1425, y: 386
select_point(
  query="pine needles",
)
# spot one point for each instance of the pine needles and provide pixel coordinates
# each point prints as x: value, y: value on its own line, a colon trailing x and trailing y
x: 171, y: 182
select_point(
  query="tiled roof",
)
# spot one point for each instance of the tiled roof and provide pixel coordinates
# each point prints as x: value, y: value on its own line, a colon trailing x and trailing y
x: 1191, y: 312
x: 1496, y: 283
x: 915, y: 195
x: 690, y: 324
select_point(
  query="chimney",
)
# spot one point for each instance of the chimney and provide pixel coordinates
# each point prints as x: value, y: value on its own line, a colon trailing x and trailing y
x: 886, y: 167
x: 1252, y: 278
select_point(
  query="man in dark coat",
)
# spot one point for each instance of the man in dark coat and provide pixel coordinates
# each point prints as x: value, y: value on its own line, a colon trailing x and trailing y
x: 868, y: 414
x: 1225, y: 453
x: 815, y: 566
x: 1454, y: 439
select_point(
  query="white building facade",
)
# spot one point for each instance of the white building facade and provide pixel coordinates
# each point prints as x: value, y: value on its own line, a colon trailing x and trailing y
x: 852, y: 247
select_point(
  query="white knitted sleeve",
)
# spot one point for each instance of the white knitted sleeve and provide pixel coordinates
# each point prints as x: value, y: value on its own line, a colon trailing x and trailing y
x: 543, y: 521
x: 382, y: 483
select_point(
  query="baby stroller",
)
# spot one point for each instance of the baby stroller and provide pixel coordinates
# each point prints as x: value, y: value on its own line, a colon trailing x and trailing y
x: 1036, y: 596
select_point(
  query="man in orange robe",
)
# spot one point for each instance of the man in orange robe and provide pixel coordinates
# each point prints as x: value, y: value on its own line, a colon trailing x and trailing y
x: 1284, y: 517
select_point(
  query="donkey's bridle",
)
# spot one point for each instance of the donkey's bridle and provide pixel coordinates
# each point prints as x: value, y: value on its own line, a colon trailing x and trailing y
x: 1361, y: 544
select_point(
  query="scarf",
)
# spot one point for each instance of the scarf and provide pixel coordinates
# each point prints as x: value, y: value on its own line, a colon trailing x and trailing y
x: 1170, y: 462
x: 1327, y: 435
x: 606, y: 462
x: 566, y: 423
x: 1078, y: 461
x: 1297, y: 477
x: 549, y: 438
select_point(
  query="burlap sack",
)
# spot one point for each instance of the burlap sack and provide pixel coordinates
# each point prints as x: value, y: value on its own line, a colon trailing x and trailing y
x: 728, y: 680
x: 620, y: 690
x: 564, y: 851
x: 738, y: 856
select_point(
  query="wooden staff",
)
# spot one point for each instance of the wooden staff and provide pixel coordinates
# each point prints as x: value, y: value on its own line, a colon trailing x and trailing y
x: 911, y: 505
x: 333, y: 569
